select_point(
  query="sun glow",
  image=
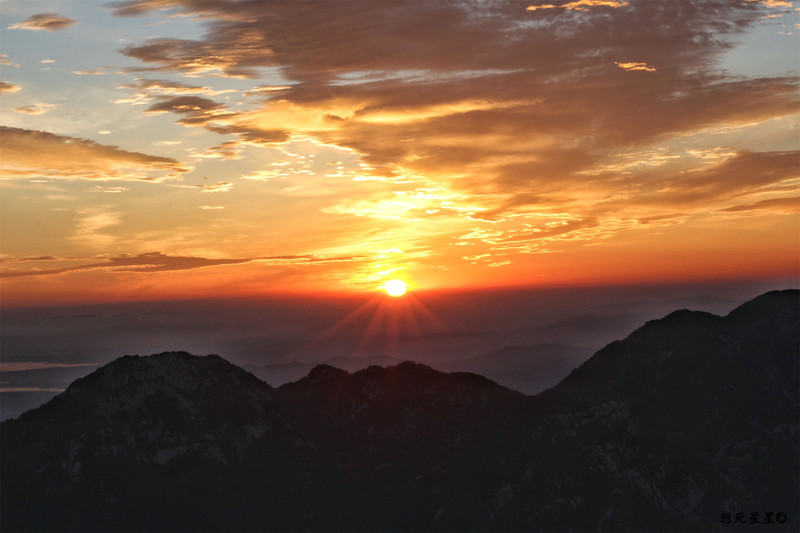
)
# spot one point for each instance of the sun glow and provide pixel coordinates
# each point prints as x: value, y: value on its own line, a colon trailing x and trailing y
x: 395, y: 287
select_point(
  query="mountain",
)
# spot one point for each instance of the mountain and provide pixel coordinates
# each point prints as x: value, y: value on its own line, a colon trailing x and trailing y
x: 135, y: 430
x: 689, y: 417
x: 24, y: 390
x: 527, y: 369
x: 683, y: 425
x: 282, y: 373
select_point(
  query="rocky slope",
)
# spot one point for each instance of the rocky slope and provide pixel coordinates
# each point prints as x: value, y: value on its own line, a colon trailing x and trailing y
x: 690, y: 419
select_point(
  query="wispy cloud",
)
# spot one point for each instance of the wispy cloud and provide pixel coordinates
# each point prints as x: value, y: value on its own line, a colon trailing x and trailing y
x: 635, y: 66
x: 146, y: 90
x: 149, y: 262
x: 33, y: 109
x: 159, y: 262
x: 4, y: 60
x: 99, y: 71
x: 90, y: 227
x: 200, y: 111
x: 781, y: 205
x: 6, y: 87
x: 732, y: 178
x: 30, y: 153
x: 43, y: 21
x: 220, y: 186
x: 579, y: 5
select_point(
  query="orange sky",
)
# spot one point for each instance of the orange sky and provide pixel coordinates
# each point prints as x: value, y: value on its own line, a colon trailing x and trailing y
x: 177, y: 148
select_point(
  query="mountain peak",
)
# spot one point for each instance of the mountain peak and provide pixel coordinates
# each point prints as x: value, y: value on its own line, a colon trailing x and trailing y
x: 770, y: 304
x: 681, y: 317
x: 161, y: 383
x: 686, y: 348
x: 177, y: 370
x: 325, y: 373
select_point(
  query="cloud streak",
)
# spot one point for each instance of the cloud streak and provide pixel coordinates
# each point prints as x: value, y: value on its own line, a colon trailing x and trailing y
x: 4, y: 60
x: 787, y: 205
x: 6, y: 87
x: 579, y: 5
x: 30, y: 153
x: 154, y: 262
x: 43, y: 21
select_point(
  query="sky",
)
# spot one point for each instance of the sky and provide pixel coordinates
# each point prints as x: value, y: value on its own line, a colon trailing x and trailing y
x: 173, y: 149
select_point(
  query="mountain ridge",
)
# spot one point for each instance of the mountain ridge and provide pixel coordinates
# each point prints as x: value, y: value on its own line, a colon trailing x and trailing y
x: 689, y: 417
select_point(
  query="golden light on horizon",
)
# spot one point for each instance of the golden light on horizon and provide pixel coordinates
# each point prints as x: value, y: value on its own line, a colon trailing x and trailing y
x: 485, y: 160
x: 395, y: 287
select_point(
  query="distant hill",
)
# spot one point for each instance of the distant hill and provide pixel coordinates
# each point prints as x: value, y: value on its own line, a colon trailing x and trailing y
x: 526, y: 369
x: 689, y: 424
x: 281, y: 373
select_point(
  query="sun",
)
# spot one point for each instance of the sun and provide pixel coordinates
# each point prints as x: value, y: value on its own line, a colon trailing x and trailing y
x: 395, y: 287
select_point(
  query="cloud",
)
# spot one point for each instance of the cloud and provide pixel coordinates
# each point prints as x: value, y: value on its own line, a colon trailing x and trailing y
x: 30, y: 153
x: 153, y: 262
x: 33, y: 109
x: 253, y: 134
x: 269, y: 90
x: 635, y: 66
x: 198, y: 58
x: 203, y: 112
x: 43, y: 21
x: 779, y: 205
x: 220, y: 186
x: 744, y: 173
x: 149, y: 262
x: 185, y: 104
x: 26, y: 259
x: 6, y: 87
x: 146, y: 90
x: 199, y: 111
x: 99, y: 71
x: 109, y: 190
x: 4, y: 60
x: 775, y: 3
x: 579, y: 5
x: 90, y: 224
x: 514, y: 111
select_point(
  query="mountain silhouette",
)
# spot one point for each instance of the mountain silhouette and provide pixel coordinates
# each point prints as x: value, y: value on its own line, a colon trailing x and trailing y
x: 690, y: 423
x: 527, y: 369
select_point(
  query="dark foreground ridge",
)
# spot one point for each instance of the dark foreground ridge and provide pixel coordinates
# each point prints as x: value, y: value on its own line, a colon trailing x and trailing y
x: 690, y: 423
